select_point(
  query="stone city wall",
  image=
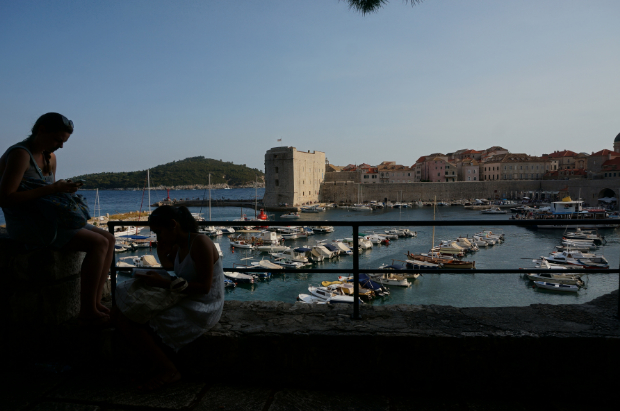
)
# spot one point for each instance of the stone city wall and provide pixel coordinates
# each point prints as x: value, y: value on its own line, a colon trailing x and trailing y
x: 343, y: 191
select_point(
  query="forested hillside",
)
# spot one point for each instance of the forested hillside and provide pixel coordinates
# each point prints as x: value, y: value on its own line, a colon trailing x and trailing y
x: 191, y: 171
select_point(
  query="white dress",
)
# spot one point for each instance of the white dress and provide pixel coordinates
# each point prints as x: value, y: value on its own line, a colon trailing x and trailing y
x: 182, y: 323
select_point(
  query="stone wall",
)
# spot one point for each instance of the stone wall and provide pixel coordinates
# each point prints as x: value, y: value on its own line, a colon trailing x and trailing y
x: 40, y: 288
x: 588, y: 190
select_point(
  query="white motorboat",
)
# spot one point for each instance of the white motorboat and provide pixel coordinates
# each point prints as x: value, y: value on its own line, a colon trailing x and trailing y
x: 580, y: 234
x: 266, y: 264
x: 360, y: 207
x: 480, y: 242
x: 390, y: 279
x: 240, y: 277
x: 556, y: 287
x: 293, y: 255
x: 323, y: 229
x: 494, y: 210
x: 272, y: 248
x: 466, y: 243
x: 556, y: 278
x: 226, y: 230
x: 287, y: 263
x: 241, y: 244
x: 586, y: 260
x: 143, y: 261
x: 310, y: 299
x: 331, y: 295
x: 311, y: 209
x: 291, y: 215
x: 324, y: 252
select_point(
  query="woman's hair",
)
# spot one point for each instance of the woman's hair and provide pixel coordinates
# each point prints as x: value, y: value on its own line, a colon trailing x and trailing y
x: 51, y: 123
x: 164, y: 215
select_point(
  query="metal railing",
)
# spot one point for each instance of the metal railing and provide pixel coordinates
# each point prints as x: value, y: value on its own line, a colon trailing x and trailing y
x: 411, y: 223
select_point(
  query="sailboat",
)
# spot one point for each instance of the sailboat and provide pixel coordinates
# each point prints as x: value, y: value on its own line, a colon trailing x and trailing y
x: 359, y: 206
x: 435, y: 257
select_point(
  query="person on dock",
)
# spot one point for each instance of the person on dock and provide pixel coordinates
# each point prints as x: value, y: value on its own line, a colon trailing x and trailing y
x: 34, y: 159
x: 194, y: 259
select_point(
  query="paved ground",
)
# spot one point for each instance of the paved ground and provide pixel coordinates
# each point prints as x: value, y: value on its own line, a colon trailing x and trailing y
x: 45, y: 387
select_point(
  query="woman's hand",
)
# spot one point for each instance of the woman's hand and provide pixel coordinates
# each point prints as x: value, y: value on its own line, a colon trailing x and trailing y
x: 153, y: 279
x: 65, y: 186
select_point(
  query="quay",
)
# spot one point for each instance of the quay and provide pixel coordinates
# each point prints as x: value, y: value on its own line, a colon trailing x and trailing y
x: 251, y: 203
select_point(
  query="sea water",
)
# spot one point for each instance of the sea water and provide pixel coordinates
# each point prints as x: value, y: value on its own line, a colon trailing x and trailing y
x: 490, y: 290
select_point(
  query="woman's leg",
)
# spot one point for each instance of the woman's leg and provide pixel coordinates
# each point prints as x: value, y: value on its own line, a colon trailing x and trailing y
x: 96, y: 246
x: 105, y: 269
x: 165, y: 370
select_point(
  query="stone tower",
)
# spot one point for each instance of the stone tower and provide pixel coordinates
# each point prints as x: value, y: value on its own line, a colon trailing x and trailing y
x: 293, y: 177
x: 617, y: 144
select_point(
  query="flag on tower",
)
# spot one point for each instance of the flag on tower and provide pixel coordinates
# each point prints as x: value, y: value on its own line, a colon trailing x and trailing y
x: 279, y: 139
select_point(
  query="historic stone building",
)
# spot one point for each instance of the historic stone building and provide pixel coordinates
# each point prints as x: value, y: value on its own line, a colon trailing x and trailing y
x: 293, y: 177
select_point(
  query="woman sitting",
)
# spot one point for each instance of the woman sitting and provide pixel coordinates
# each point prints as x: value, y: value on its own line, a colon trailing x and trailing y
x: 195, y: 259
x: 34, y: 158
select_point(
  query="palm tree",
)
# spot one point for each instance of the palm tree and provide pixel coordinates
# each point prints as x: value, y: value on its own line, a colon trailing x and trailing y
x: 370, y: 6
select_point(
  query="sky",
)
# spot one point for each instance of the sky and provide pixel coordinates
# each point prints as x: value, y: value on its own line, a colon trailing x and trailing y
x: 147, y: 82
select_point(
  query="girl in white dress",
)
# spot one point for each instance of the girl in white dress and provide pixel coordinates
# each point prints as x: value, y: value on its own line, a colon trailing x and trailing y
x: 194, y: 258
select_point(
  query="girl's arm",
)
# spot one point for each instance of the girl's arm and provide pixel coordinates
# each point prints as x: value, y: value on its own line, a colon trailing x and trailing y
x: 204, y: 255
x: 166, y: 253
x: 17, y: 163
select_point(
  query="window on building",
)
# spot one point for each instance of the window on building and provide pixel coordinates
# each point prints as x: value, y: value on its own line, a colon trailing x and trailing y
x: 277, y: 183
x: 474, y: 178
x: 276, y: 169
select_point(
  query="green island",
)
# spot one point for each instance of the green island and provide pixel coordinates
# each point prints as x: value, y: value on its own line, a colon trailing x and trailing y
x: 190, y: 172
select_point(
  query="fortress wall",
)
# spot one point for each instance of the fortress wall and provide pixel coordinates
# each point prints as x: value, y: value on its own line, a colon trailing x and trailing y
x: 588, y: 190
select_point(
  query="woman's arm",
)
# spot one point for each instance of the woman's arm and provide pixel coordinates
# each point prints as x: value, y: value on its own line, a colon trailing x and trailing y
x: 166, y: 253
x: 204, y: 255
x: 17, y: 163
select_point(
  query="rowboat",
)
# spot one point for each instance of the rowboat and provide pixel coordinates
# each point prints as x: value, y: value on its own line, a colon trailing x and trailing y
x: 556, y: 287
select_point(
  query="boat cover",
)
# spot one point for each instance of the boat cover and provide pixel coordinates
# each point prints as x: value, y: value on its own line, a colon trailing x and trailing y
x: 302, y: 249
x: 331, y: 247
x: 394, y: 267
x: 368, y: 283
x: 134, y: 237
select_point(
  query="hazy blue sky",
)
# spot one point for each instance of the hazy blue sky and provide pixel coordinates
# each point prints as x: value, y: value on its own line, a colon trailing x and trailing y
x: 148, y: 82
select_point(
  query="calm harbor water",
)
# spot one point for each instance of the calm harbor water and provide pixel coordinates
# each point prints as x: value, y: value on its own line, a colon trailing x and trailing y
x: 490, y: 290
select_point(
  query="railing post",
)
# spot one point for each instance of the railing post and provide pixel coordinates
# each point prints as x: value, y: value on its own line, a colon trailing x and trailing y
x: 112, y: 267
x: 356, y: 273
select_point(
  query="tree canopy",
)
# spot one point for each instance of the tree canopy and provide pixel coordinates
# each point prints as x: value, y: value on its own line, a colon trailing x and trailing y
x: 191, y: 171
x: 371, y: 6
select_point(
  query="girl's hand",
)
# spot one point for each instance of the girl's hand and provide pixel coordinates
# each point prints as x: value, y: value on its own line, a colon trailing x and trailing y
x: 64, y: 186
x: 153, y: 279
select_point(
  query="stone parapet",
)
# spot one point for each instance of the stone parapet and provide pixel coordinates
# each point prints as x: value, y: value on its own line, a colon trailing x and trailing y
x: 41, y: 288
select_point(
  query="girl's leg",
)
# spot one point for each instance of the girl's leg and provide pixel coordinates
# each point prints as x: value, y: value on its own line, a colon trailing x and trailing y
x: 95, y: 245
x: 107, y: 262
x: 166, y: 372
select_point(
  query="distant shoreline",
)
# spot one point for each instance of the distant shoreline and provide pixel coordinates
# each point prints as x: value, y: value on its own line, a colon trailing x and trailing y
x: 183, y: 187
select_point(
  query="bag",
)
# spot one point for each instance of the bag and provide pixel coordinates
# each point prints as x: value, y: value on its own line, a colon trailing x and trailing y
x: 142, y: 302
x: 37, y: 222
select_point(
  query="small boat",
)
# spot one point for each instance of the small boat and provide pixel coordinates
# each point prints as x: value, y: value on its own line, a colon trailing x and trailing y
x: 392, y: 279
x: 240, y: 278
x: 229, y: 283
x: 310, y: 299
x: 272, y: 248
x: 266, y: 264
x: 585, y: 260
x: 556, y: 278
x: 311, y: 209
x: 290, y: 215
x: 556, y: 287
x: 494, y: 210
x: 241, y: 244
x: 323, y: 229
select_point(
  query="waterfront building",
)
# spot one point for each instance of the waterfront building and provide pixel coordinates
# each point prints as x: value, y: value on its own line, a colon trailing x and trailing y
x: 293, y: 177
x: 390, y: 172
x: 468, y: 170
x: 513, y: 166
x: 596, y: 160
x: 568, y: 159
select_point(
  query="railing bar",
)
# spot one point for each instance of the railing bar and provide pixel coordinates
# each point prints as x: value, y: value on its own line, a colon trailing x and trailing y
x: 356, y: 273
x: 112, y: 268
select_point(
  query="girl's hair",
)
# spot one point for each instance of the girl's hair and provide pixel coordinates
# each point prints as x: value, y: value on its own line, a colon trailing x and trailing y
x: 164, y: 215
x: 52, y: 123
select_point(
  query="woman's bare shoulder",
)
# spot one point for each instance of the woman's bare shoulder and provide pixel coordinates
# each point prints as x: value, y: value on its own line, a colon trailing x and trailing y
x: 204, y: 244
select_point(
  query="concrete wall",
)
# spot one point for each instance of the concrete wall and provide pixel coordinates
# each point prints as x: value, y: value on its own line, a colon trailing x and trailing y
x: 293, y: 177
x: 588, y: 190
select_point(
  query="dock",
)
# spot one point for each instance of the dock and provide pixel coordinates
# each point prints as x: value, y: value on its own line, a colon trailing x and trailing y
x: 225, y: 203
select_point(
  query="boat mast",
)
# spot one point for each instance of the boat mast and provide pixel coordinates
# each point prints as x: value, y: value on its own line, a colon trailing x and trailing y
x: 148, y: 179
x: 209, y: 196
x: 434, y: 207
x: 256, y: 198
